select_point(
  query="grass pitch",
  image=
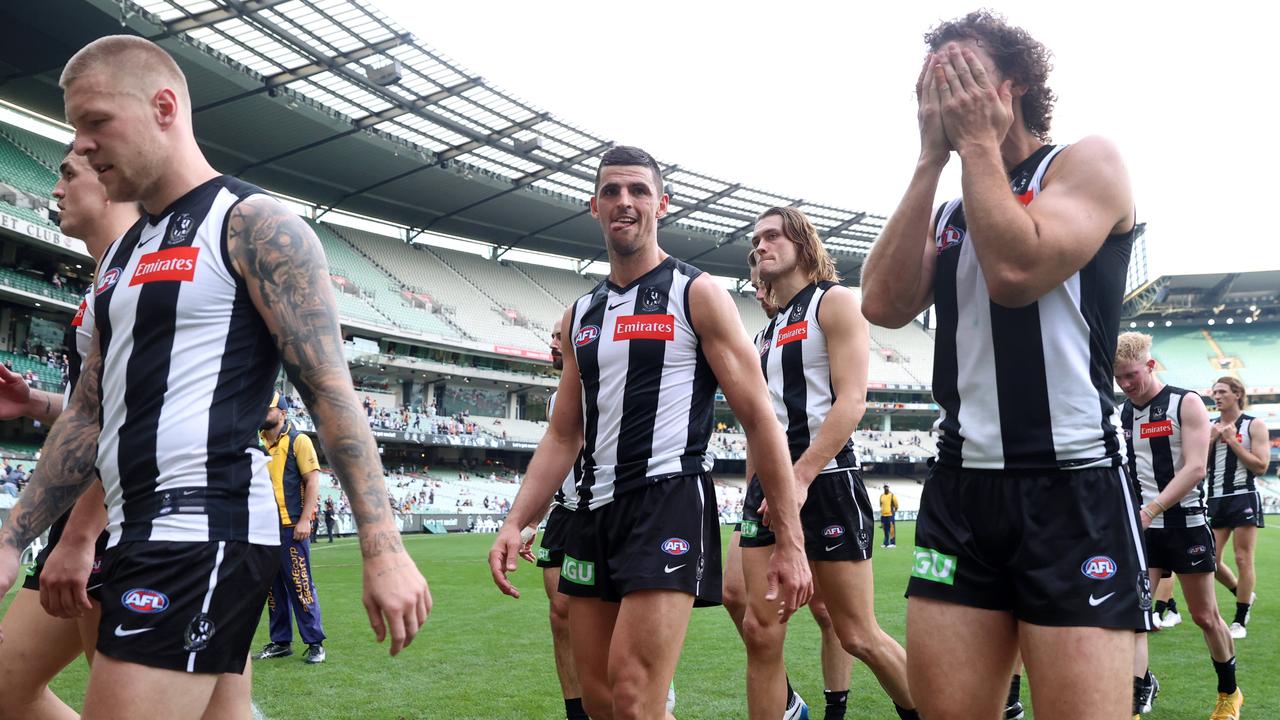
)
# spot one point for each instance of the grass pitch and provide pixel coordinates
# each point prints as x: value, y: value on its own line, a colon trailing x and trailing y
x: 483, y: 655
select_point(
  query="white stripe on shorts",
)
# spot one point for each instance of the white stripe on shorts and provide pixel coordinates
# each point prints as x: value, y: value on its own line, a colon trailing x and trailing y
x: 208, y: 597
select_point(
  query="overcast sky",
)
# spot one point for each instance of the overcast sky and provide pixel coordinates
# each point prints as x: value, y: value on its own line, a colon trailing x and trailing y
x: 816, y: 99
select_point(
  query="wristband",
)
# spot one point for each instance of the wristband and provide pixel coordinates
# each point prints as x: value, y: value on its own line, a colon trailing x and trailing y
x: 1148, y: 513
x: 1160, y: 505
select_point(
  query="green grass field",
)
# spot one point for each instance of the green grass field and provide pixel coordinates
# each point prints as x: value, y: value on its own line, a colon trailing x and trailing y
x: 483, y: 655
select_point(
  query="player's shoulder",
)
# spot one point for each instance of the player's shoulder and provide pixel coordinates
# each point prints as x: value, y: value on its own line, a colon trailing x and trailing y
x: 1089, y: 153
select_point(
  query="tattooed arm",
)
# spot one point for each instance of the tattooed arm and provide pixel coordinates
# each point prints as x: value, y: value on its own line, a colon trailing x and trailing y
x: 66, y: 469
x: 284, y: 267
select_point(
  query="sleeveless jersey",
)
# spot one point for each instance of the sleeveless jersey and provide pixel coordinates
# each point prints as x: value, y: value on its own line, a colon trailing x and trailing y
x: 79, y: 340
x: 1026, y: 388
x: 1154, y: 435
x: 1227, y: 475
x: 797, y: 369
x: 188, y: 367
x: 567, y: 496
x: 647, y: 390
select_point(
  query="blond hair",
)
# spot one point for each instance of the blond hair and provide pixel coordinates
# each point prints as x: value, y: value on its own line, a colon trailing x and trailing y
x: 144, y: 66
x: 1237, y: 388
x: 1133, y: 347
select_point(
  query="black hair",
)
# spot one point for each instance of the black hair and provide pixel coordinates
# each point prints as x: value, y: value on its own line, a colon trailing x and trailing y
x: 630, y: 155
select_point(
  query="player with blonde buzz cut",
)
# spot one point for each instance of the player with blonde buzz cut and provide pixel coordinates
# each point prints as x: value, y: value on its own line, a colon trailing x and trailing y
x: 1166, y: 432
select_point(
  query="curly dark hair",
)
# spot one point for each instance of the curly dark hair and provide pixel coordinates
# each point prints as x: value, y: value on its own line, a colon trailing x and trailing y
x: 1019, y: 57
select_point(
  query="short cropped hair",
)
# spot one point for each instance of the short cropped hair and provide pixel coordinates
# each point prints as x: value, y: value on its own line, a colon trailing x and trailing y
x: 1133, y: 347
x: 630, y: 155
x: 126, y: 56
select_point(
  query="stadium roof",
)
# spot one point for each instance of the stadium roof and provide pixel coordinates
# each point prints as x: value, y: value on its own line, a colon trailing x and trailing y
x: 1196, y: 298
x: 333, y: 102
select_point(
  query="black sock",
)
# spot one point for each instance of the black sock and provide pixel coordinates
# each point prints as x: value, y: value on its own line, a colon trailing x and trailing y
x: 1161, y: 606
x: 1138, y: 685
x: 573, y: 709
x: 1242, y: 611
x: 837, y: 702
x: 1226, y: 675
x: 906, y: 714
x: 1173, y: 605
x: 1015, y: 690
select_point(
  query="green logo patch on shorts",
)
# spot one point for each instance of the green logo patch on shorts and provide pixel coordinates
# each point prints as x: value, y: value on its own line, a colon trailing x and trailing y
x: 750, y: 528
x: 934, y: 566
x: 578, y: 571
x: 544, y: 554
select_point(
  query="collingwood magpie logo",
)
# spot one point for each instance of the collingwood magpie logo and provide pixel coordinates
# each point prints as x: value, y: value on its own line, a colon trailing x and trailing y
x: 199, y: 632
x: 1157, y: 413
x: 797, y: 313
x: 650, y: 298
x: 179, y: 229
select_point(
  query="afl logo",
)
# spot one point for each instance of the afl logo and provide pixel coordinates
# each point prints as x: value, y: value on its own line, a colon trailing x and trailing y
x: 1099, y: 567
x: 144, y: 601
x: 586, y: 335
x: 108, y: 279
x: 675, y: 546
x: 949, y: 236
x: 832, y: 531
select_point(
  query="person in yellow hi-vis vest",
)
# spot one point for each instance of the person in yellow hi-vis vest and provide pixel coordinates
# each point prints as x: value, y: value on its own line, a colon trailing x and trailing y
x: 295, y: 476
x: 888, y: 514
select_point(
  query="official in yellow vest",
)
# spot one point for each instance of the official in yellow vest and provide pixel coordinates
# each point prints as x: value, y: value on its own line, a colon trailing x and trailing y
x: 295, y: 476
x: 888, y: 517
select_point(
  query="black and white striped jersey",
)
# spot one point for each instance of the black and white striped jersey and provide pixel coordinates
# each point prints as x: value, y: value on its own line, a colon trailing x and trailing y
x: 1026, y: 388
x: 1227, y: 475
x: 188, y: 368
x: 79, y: 340
x: 1154, y: 438
x: 647, y: 390
x: 797, y: 369
x: 567, y: 496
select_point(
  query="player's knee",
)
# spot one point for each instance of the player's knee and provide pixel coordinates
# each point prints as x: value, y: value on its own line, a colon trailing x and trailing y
x: 734, y: 599
x: 559, y: 612
x: 762, y: 636
x: 861, y: 645
x: 629, y: 700
x: 820, y: 615
x: 1206, y: 618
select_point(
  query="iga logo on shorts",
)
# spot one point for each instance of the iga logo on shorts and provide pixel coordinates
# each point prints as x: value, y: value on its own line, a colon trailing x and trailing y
x: 586, y: 335
x: 833, y: 531
x: 675, y: 546
x: 147, y: 602
x: 1099, y: 567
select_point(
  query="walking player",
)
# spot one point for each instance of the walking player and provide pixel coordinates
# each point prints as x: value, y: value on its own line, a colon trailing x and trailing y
x: 1026, y: 514
x: 650, y: 344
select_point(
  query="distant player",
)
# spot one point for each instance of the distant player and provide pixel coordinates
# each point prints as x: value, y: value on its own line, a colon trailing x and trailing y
x: 550, y: 557
x: 1239, y: 452
x: 195, y: 307
x: 836, y: 663
x: 889, y: 517
x: 40, y: 641
x: 814, y: 355
x: 650, y: 344
x: 295, y: 477
x: 1026, y: 514
x: 1167, y: 434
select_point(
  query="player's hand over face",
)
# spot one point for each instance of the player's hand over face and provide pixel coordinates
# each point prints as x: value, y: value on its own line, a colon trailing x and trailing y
x: 934, y: 146
x: 14, y: 394
x: 396, y: 595
x: 62, y: 582
x: 790, y: 580
x: 502, y: 558
x: 976, y: 110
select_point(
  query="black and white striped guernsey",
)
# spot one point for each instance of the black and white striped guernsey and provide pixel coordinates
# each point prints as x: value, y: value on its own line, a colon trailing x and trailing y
x: 647, y: 390
x: 80, y: 339
x: 797, y: 369
x: 1026, y: 388
x: 1154, y: 435
x: 188, y: 368
x: 1227, y: 475
x: 567, y: 496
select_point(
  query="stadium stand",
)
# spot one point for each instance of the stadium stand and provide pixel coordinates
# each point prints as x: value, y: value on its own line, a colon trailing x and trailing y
x: 1253, y: 348
x: 43, y: 150
x: 24, y: 171
x: 563, y: 285
x: 50, y: 378
x: 36, y: 285
x: 1195, y: 356
x: 905, y: 353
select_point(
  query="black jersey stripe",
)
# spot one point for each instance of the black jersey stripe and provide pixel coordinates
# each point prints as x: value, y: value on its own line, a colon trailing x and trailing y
x: 588, y: 357
x: 946, y: 363
x: 1022, y: 386
x: 641, y: 393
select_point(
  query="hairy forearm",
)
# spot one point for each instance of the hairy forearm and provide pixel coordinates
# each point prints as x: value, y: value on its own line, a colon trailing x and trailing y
x: 547, y: 470
x: 893, y: 277
x: 842, y: 420
x: 66, y: 469
x: 1183, y: 482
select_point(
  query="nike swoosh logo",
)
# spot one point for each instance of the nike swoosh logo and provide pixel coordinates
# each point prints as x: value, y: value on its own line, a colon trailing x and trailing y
x: 1095, y: 602
x: 121, y: 632
x: 670, y: 569
x: 614, y: 307
x: 833, y: 547
x: 1196, y: 563
x: 190, y: 492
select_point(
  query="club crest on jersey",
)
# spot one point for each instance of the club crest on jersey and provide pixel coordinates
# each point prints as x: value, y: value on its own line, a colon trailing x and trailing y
x: 949, y: 237
x: 793, y: 332
x: 645, y: 327
x: 179, y: 229
x: 797, y: 312
x: 675, y: 546
x: 585, y: 335
x: 108, y: 279
x: 650, y: 298
x: 1163, y: 428
x: 144, y: 601
x: 833, y: 531
x: 175, y: 264
x: 1099, y: 567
